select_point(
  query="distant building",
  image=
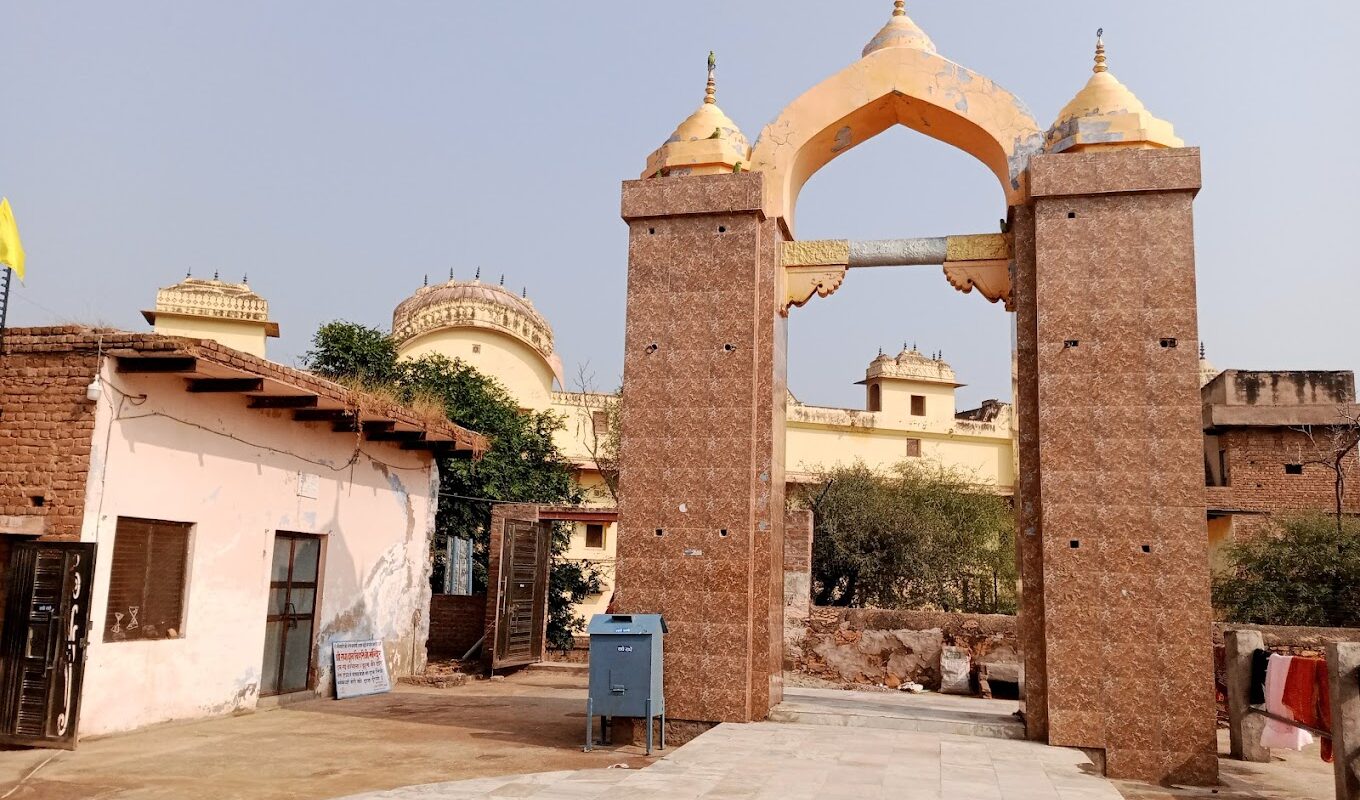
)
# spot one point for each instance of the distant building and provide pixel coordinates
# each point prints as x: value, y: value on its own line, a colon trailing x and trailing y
x: 1265, y: 436
x: 229, y: 313
x: 238, y: 517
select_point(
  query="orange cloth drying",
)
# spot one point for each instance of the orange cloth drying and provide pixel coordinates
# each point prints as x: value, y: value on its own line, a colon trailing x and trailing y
x: 1307, y: 695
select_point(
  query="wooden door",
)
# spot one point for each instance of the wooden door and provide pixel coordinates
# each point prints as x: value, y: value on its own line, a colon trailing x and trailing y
x: 522, y: 594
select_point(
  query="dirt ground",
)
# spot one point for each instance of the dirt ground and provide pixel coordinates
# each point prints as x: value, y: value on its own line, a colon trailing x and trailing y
x: 529, y: 722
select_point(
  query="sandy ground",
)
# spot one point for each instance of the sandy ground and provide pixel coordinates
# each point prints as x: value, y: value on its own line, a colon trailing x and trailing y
x: 530, y: 722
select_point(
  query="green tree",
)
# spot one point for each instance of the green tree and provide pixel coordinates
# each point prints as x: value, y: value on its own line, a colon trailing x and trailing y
x: 522, y: 466
x: 918, y: 537
x: 1303, y: 572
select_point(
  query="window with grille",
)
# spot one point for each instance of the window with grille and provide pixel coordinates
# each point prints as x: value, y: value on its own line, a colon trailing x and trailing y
x: 913, y: 448
x: 594, y: 535
x: 599, y: 420
x: 146, y: 587
x: 918, y: 405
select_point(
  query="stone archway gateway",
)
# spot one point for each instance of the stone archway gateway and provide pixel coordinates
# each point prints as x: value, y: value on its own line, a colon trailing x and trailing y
x: 1097, y: 265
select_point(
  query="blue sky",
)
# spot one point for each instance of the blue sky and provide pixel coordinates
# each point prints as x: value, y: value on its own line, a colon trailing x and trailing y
x: 338, y: 152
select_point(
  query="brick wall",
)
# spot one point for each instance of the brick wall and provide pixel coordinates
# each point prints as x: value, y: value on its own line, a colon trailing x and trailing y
x: 46, y: 425
x: 456, y: 623
x: 1257, y: 481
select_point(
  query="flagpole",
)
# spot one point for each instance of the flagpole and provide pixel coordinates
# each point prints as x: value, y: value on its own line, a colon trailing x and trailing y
x: 4, y: 306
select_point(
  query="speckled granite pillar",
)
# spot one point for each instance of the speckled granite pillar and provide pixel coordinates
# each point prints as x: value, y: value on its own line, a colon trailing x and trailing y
x: 701, y: 509
x: 1125, y: 583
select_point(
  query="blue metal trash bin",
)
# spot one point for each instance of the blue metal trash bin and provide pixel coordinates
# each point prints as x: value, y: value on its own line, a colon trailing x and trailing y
x: 626, y: 671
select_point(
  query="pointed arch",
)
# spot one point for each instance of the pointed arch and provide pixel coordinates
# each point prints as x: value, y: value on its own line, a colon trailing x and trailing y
x: 895, y: 86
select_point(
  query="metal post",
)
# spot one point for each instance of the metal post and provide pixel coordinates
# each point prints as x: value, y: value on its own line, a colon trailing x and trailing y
x: 1343, y: 677
x: 5, y: 278
x: 1244, y: 727
x: 649, y: 726
x: 590, y: 723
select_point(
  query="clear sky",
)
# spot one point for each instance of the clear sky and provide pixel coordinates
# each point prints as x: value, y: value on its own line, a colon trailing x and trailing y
x: 337, y: 152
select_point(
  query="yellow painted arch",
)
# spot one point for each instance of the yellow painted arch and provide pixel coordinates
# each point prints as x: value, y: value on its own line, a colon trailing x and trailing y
x: 895, y: 86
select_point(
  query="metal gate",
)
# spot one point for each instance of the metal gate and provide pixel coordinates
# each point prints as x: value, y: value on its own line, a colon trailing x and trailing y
x: 523, y: 592
x: 42, y: 649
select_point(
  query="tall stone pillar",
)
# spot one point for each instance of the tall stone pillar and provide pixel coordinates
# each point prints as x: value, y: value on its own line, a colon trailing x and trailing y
x: 1114, y: 433
x: 701, y: 511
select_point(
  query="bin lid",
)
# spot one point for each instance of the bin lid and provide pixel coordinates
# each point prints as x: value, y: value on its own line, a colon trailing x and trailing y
x: 645, y: 624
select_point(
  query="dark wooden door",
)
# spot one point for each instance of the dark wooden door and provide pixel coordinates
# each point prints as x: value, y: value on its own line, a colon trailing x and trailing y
x: 42, y: 649
x: 523, y: 592
x: 291, y: 618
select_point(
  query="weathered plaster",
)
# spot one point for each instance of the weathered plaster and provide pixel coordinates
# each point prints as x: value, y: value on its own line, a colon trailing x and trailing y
x: 233, y: 472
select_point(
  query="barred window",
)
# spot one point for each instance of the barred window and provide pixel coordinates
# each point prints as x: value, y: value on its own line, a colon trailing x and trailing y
x: 913, y: 448
x: 146, y: 588
x: 594, y: 535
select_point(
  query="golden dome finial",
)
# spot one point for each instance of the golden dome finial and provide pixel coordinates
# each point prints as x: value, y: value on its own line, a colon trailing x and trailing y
x: 899, y: 8
x: 1105, y: 115
x: 711, y: 92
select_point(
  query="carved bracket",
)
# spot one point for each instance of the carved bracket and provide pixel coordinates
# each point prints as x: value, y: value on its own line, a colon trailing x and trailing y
x: 991, y: 278
x: 981, y: 262
x: 812, y: 268
x: 801, y: 283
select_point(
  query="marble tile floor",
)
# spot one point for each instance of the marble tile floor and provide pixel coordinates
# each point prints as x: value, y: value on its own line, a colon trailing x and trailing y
x: 792, y: 761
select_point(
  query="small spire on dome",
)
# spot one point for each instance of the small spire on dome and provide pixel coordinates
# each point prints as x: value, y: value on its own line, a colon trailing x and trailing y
x: 188, y: 274
x: 711, y: 91
x: 450, y: 274
x: 899, y: 8
x: 524, y: 293
x: 1201, y: 350
x: 502, y: 279
x: 478, y: 276
x: 214, y: 274
x: 245, y: 277
x: 880, y: 351
x: 1100, y: 52
x: 427, y: 280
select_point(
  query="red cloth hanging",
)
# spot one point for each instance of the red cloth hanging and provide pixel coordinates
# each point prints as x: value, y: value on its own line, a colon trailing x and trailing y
x: 1306, y: 694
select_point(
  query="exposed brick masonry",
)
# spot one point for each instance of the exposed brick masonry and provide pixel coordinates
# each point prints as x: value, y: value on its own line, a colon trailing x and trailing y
x: 1257, y: 481
x: 456, y: 623
x: 46, y: 424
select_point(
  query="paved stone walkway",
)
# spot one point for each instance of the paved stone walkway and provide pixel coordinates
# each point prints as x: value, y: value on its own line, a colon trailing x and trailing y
x: 802, y: 762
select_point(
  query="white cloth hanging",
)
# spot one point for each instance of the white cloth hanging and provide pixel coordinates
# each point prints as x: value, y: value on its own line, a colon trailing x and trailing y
x: 1281, y: 734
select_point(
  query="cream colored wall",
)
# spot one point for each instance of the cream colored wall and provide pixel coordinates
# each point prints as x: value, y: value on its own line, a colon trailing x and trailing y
x: 248, y: 337
x: 1220, y: 536
x: 601, y: 557
x: 814, y: 447
x: 896, y: 397
x: 230, y: 471
x: 518, y: 367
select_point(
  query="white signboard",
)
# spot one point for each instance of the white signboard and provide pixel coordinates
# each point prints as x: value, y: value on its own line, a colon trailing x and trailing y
x: 360, y: 669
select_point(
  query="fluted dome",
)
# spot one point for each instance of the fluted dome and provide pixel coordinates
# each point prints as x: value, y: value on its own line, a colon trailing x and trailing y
x: 1105, y: 114
x: 473, y: 304
x: 912, y: 365
x: 708, y: 142
x: 900, y: 31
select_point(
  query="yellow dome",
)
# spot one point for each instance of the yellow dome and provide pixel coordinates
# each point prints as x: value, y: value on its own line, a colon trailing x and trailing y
x: 1106, y: 115
x: 473, y: 304
x: 900, y: 32
x: 708, y: 142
